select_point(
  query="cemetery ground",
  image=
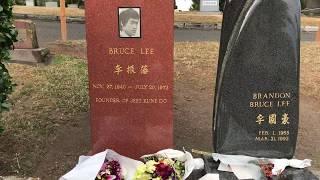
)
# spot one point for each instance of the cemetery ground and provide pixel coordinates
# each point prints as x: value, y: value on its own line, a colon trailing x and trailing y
x: 48, y: 126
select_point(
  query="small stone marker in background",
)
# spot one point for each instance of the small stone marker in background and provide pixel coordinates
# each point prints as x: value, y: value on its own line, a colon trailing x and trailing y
x: 27, y: 50
x: 30, y: 3
x: 27, y: 35
x: 51, y: 4
x: 209, y: 5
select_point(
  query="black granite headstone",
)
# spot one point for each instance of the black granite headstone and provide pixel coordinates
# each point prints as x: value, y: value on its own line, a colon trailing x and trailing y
x: 257, y: 91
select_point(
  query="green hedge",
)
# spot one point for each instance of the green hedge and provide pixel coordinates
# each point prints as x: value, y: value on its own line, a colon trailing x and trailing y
x: 196, y: 5
x: 8, y: 35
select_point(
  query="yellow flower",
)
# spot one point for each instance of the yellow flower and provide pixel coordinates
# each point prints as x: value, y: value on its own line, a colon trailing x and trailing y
x: 141, y: 173
x: 142, y: 177
x: 168, y: 162
x: 150, y: 166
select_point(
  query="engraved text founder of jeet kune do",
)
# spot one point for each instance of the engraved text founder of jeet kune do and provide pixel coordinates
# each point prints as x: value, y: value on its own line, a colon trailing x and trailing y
x: 128, y: 22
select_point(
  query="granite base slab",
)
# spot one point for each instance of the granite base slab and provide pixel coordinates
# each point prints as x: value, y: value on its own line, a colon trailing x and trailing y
x: 289, y: 174
x: 30, y: 56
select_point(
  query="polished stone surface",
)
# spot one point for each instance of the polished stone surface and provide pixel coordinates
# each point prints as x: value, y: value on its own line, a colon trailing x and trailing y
x: 131, y: 79
x: 257, y: 89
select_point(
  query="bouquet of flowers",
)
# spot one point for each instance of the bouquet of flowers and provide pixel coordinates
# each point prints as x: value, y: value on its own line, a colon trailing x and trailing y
x: 166, y: 165
x: 107, y: 165
x: 110, y: 170
x: 267, y: 170
x: 160, y: 168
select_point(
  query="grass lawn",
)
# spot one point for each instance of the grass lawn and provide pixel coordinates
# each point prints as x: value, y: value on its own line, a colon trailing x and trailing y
x: 48, y: 97
x: 44, y: 99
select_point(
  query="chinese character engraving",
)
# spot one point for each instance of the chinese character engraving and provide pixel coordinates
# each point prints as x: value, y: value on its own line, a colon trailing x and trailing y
x: 131, y: 70
x: 118, y: 69
x: 285, y: 119
x: 260, y: 119
x: 273, y: 119
x: 144, y: 69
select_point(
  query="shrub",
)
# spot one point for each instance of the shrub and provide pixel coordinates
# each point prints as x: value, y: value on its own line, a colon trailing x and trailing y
x: 8, y: 35
x: 196, y: 5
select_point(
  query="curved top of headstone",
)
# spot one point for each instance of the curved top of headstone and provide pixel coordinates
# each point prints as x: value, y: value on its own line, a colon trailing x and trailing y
x: 259, y: 53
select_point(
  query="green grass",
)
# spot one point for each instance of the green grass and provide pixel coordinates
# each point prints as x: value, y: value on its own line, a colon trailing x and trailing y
x: 45, y: 98
x: 67, y: 81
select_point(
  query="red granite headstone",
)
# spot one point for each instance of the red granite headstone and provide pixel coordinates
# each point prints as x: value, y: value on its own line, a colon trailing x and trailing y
x: 130, y: 54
